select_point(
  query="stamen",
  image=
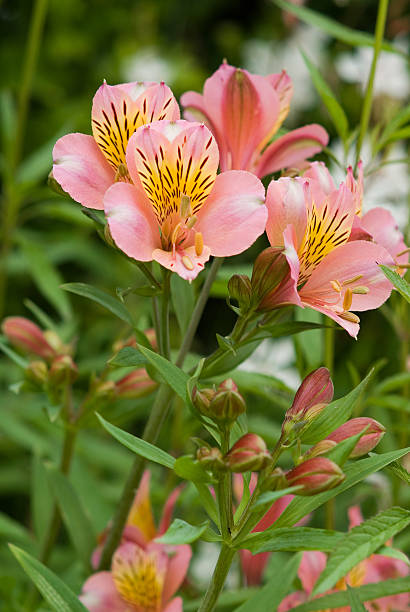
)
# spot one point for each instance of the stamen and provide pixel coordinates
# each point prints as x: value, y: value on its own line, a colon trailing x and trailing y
x: 404, y: 266
x: 185, y: 206
x: 360, y: 290
x: 199, y: 243
x: 403, y: 252
x: 347, y: 299
x: 174, y: 236
x: 352, y: 280
x: 122, y: 172
x: 191, y: 221
x: 336, y: 285
x: 349, y: 316
x: 187, y: 262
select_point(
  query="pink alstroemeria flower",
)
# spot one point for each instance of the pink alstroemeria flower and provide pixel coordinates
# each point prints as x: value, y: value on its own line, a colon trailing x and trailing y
x: 85, y: 166
x: 142, y: 579
x: 252, y: 565
x: 178, y: 212
x: 328, y: 272
x: 140, y: 526
x: 372, y: 570
x: 244, y: 111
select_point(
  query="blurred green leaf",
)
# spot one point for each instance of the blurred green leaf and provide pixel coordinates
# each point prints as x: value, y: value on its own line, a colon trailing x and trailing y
x: 106, y: 300
x: 359, y: 543
x: 183, y: 300
x: 173, y: 376
x: 267, y: 499
x: 12, y: 531
x: 398, y: 470
x: 189, y: 469
x: 402, y: 286
x: 42, y: 500
x: 129, y: 357
x: 18, y: 359
x: 393, y: 553
x: 208, y: 501
x: 181, y: 532
x: 52, y: 588
x: 354, y: 601
x: 335, y: 110
x: 138, y: 446
x: 292, y: 539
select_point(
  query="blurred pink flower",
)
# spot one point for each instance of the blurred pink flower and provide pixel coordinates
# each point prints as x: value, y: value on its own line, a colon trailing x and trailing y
x: 374, y: 569
x: 142, y: 579
x: 244, y: 111
x: 178, y: 212
x: 85, y: 166
x: 29, y: 338
x: 313, y: 221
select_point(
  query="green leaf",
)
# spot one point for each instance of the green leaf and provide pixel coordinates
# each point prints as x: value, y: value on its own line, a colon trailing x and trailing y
x: 335, y: 110
x: 138, y: 446
x: 397, y: 381
x: 354, y: 601
x: 74, y: 516
x: 181, y: 532
x: 292, y: 539
x: 208, y: 501
x: 402, y: 286
x: 42, y: 500
x: 393, y: 553
x: 47, y: 278
x: 183, y: 300
x: 398, y: 470
x: 269, y: 597
x: 103, y: 298
x: 173, y: 376
x: 11, y: 530
x: 18, y: 359
x: 357, y: 471
x: 129, y: 357
x: 246, y: 495
x: 359, y: 543
x: 403, y: 116
x: 189, y: 469
x: 267, y: 499
x: 368, y: 592
x: 334, y: 414
x: 52, y: 588
x: 333, y: 28
x: 341, y: 452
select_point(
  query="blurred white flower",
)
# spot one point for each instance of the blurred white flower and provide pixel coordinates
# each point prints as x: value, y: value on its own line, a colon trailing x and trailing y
x: 392, y: 76
x: 148, y: 65
x: 275, y: 358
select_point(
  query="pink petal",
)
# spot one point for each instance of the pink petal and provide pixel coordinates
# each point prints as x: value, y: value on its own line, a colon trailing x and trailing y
x: 358, y: 232
x: 233, y: 216
x: 100, y: 595
x: 292, y: 149
x: 176, y: 571
x: 253, y: 566
x: 320, y: 180
x: 312, y: 565
x: 285, y: 201
x: 168, y: 510
x: 195, y: 109
x: 355, y: 516
x: 140, y: 515
x: 282, y: 83
x: 175, y: 261
x: 174, y: 606
x: 82, y: 170
x: 291, y: 601
x: 131, y: 221
x: 159, y: 104
x: 381, y: 224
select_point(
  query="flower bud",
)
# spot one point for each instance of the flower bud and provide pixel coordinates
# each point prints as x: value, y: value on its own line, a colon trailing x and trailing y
x: 239, y: 288
x: 321, y: 448
x: 227, y: 404
x: 269, y: 270
x: 315, y: 475
x: 36, y: 372
x: 135, y: 384
x: 104, y: 390
x: 202, y: 399
x: 249, y: 453
x: 275, y: 481
x: 27, y: 336
x: 63, y: 371
x: 374, y: 433
x: 210, y: 458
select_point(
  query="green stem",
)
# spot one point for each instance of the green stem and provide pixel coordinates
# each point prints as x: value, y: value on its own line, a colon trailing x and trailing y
x: 218, y: 578
x: 367, y: 103
x: 225, y: 490
x: 164, y: 345
x: 149, y: 275
x: 329, y: 345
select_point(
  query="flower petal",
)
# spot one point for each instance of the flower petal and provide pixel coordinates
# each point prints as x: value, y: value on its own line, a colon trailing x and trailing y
x: 233, y: 216
x: 285, y: 201
x: 381, y: 224
x: 140, y: 514
x: 82, y: 170
x: 312, y: 565
x: 174, y: 606
x: 177, y: 568
x: 100, y: 595
x: 186, y: 263
x: 292, y: 149
x: 282, y: 83
x: 320, y: 181
x: 168, y: 510
x: 131, y: 221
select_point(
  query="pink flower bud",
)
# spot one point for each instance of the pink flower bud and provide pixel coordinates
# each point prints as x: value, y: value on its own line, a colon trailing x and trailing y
x: 315, y: 475
x: 227, y: 403
x: 63, y: 371
x: 367, y: 442
x: 269, y: 270
x: 321, y: 448
x: 249, y: 453
x: 239, y: 288
x: 28, y: 337
x: 135, y: 384
x: 210, y: 458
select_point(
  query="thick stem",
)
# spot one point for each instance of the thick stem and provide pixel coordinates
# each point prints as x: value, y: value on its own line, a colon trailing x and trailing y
x: 164, y: 344
x: 367, y: 103
x: 218, y: 578
x: 225, y: 490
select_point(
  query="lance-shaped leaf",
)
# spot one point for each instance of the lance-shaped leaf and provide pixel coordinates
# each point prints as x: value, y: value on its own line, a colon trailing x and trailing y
x: 402, y: 286
x: 103, y: 298
x: 129, y: 357
x: 176, y: 378
x: 181, y: 532
x: 292, y: 539
x: 354, y: 601
x: 52, y: 588
x: 359, y: 543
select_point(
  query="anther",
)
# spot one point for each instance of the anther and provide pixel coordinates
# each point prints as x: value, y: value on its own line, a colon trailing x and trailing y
x: 349, y: 316
x: 360, y: 290
x: 174, y: 236
x: 347, y: 299
x: 191, y: 221
x: 122, y: 172
x: 336, y: 285
x: 352, y: 280
x: 187, y: 262
x: 185, y: 206
x: 199, y: 243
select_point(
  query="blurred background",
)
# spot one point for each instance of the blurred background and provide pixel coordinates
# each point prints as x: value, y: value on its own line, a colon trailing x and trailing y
x: 47, y: 85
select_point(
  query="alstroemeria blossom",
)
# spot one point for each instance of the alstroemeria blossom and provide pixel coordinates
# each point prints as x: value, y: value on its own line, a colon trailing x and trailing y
x: 328, y: 272
x: 178, y: 212
x: 244, y: 111
x: 85, y: 166
x: 142, y: 579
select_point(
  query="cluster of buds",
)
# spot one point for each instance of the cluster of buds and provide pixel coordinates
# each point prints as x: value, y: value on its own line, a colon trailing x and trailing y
x: 249, y: 453
x: 315, y: 392
x: 269, y: 271
x: 223, y: 404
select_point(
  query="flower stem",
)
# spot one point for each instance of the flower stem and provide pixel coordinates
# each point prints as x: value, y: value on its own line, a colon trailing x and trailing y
x: 164, y: 344
x: 218, y: 578
x: 225, y: 490
x: 367, y: 103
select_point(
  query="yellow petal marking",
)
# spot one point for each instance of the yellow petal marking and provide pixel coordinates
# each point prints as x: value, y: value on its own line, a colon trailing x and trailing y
x: 138, y: 580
